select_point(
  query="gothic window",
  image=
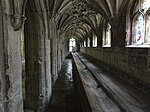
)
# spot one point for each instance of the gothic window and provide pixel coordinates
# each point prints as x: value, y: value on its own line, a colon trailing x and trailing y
x: 107, y: 36
x: 72, y: 44
x: 84, y: 43
x: 88, y: 39
x: 138, y: 30
x: 140, y: 26
x: 94, y: 40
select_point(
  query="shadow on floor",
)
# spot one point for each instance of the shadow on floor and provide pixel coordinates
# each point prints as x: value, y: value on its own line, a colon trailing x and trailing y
x: 65, y: 96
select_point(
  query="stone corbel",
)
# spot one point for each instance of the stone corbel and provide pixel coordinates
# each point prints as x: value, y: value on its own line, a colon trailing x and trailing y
x: 18, y: 17
x: 18, y: 21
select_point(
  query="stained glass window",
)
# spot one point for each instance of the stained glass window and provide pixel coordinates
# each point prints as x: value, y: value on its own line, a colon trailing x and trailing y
x: 138, y: 30
x: 140, y: 26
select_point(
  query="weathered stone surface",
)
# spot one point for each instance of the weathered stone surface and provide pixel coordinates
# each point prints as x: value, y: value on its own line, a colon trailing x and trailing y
x: 134, y: 64
x: 11, y: 85
x: 49, y: 25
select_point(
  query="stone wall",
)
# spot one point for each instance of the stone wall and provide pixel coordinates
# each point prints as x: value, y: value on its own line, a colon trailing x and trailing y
x: 131, y: 64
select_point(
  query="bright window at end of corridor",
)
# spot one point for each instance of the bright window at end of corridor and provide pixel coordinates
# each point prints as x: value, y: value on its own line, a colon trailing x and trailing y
x: 72, y: 45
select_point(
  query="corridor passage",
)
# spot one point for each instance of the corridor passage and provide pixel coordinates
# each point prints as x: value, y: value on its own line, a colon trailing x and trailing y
x: 65, y: 96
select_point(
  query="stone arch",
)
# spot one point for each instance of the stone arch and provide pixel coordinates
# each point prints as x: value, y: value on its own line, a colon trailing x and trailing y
x: 37, y: 55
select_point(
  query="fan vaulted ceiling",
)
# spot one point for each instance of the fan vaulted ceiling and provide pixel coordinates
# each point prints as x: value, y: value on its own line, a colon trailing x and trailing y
x: 79, y: 17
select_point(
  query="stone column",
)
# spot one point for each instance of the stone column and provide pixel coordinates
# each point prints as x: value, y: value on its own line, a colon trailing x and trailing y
x: 48, y: 77
x: 54, y: 59
x: 67, y: 46
x: 37, y: 55
x: 10, y: 66
x: 78, y: 46
x: 148, y: 61
x: 86, y: 41
x: 118, y: 32
x: 53, y: 39
x: 60, y: 49
x: 99, y: 34
x: 91, y: 41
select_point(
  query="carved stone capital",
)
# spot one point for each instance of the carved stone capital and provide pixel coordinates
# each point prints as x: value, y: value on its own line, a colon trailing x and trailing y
x: 18, y: 17
x: 18, y: 21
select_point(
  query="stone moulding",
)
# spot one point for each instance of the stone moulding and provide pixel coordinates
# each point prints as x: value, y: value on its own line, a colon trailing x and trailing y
x: 18, y: 16
x: 18, y: 21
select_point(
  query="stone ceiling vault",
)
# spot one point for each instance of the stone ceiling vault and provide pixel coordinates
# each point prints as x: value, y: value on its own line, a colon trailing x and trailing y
x: 72, y: 17
x: 79, y: 17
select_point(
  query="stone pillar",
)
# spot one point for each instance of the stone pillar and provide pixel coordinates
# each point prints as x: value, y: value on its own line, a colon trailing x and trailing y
x: 78, y: 46
x: 99, y: 34
x: 48, y: 76
x: 10, y: 66
x: 148, y: 61
x: 56, y: 55
x: 86, y: 41
x: 118, y: 32
x: 54, y: 59
x: 91, y: 41
x: 37, y: 55
x: 53, y: 39
x: 60, y: 49
x: 67, y: 46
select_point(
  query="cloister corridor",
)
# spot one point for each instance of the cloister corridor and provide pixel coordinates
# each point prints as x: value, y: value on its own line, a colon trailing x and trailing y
x: 74, y: 55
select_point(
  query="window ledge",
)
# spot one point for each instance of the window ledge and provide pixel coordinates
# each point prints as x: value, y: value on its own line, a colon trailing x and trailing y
x: 145, y: 45
x: 106, y: 45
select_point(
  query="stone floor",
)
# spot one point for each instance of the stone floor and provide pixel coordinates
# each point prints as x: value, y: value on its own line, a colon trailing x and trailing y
x: 65, y: 96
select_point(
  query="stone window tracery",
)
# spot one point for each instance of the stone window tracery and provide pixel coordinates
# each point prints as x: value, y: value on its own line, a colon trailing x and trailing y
x: 88, y: 39
x: 138, y: 30
x: 94, y: 40
x: 107, y: 36
x: 84, y: 43
x: 140, y: 26
x: 72, y: 44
